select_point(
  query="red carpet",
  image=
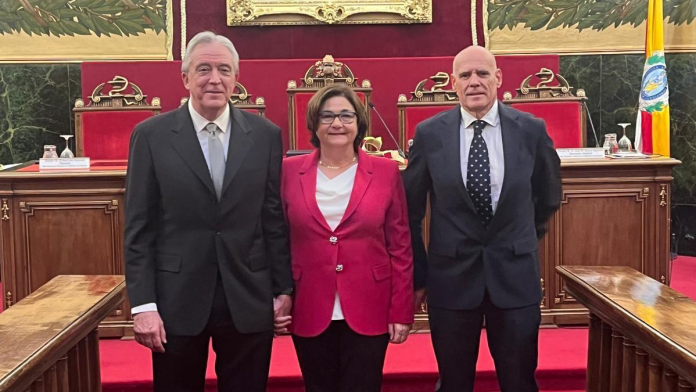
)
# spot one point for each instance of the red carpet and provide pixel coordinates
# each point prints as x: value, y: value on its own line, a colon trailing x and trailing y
x: 410, y: 367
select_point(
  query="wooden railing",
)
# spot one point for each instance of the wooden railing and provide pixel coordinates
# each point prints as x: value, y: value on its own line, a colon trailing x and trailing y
x: 642, y: 333
x: 49, y: 340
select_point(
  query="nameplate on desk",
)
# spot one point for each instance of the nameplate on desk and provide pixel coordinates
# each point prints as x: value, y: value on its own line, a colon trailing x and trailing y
x: 580, y: 153
x: 57, y: 164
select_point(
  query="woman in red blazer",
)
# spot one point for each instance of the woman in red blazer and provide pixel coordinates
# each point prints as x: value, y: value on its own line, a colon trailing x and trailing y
x: 350, y: 249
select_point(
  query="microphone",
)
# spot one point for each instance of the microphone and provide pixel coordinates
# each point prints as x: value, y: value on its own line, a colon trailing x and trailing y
x: 587, y: 110
x: 401, y: 152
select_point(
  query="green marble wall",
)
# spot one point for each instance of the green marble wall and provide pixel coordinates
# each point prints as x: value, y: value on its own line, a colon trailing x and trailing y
x: 36, y: 103
x: 612, y: 83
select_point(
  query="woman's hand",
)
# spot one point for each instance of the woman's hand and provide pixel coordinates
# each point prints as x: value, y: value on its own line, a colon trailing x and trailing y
x: 398, y: 333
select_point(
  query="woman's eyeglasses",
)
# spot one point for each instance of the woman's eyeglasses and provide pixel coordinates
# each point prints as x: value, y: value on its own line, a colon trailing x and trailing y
x: 345, y: 117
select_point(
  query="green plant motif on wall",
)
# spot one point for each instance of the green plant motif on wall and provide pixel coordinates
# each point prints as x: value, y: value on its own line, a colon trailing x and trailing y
x: 582, y: 14
x: 82, y: 17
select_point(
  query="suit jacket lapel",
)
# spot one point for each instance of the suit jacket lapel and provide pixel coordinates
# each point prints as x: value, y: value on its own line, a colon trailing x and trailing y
x: 189, y: 148
x: 363, y: 177
x: 511, y: 145
x: 308, y: 180
x: 451, y: 143
x: 240, y: 144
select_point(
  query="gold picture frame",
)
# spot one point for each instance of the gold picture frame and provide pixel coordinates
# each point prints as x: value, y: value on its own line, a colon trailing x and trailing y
x: 313, y: 12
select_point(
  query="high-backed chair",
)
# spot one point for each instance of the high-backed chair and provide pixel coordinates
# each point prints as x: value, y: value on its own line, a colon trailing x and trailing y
x: 562, y: 111
x: 323, y: 73
x: 241, y: 99
x: 425, y: 102
x: 103, y: 127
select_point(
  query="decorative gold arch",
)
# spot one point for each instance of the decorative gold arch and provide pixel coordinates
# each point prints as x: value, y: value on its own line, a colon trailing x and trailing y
x: 308, y: 12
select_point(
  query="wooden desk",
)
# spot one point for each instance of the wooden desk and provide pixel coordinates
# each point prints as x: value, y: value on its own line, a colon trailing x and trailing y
x: 613, y: 213
x: 62, y: 224
x: 49, y: 339
x: 642, y: 333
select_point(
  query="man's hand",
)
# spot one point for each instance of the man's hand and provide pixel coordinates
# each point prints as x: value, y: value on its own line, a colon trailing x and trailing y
x: 282, y: 305
x: 398, y: 333
x: 419, y: 298
x: 149, y: 331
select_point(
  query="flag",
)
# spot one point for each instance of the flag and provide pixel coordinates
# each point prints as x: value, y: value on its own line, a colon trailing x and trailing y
x: 652, y: 124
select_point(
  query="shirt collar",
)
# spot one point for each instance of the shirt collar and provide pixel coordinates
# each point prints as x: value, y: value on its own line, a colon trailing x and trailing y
x: 199, y: 122
x: 491, y: 118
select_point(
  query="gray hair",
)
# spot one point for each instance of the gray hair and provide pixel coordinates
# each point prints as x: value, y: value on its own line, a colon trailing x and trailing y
x: 207, y: 37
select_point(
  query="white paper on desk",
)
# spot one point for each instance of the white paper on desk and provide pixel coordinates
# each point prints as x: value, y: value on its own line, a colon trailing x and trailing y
x: 628, y: 155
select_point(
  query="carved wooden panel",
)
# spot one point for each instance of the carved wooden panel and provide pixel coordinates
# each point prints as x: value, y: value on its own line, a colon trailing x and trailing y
x: 68, y: 237
x: 601, y: 227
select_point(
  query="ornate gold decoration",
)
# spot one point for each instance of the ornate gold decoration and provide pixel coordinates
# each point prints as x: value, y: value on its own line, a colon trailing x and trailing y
x: 182, y: 8
x: 474, y: 31
x: 402, y: 98
x: 663, y: 195
x: 183, y: 101
x: 543, y: 89
x: 326, y: 72
x: 373, y: 146
x: 5, y: 210
x: 646, y: 190
x: 8, y: 300
x: 581, y: 93
x: 118, y: 95
x: 308, y: 12
x: 156, y: 101
x: 260, y: 101
x: 663, y: 279
x: 543, y: 291
x: 436, y: 92
x: 507, y: 95
x: 79, y: 103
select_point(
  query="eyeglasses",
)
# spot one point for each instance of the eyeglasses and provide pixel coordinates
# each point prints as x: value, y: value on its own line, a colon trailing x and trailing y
x: 345, y: 117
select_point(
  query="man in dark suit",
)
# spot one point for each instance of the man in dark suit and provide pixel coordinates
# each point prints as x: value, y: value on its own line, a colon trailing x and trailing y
x: 205, y: 239
x: 493, y: 178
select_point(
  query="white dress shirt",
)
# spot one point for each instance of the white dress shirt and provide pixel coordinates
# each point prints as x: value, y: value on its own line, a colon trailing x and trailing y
x: 199, y: 123
x: 333, y: 196
x: 494, y: 142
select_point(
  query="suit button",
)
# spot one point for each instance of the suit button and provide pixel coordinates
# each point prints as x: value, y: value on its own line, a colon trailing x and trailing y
x: 339, y: 268
x: 333, y: 240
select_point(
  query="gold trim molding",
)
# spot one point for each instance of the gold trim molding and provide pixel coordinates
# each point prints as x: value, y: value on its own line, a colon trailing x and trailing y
x: 310, y: 12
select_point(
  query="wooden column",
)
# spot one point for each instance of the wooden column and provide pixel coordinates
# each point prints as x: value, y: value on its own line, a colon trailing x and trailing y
x: 642, y: 370
x: 594, y: 365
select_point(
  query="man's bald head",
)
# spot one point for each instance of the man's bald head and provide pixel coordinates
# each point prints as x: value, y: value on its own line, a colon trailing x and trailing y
x: 476, y: 78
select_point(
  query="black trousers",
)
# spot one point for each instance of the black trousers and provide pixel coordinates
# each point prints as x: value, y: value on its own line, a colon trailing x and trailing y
x: 340, y: 360
x: 242, y: 359
x: 513, y: 336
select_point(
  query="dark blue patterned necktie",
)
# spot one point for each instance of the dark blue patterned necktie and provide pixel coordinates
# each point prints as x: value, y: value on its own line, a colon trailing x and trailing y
x: 478, y: 174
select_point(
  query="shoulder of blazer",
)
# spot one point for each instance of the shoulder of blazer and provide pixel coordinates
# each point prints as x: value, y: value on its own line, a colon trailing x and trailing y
x: 384, y: 166
x: 293, y: 164
x: 441, y: 119
x: 163, y: 121
x: 257, y: 122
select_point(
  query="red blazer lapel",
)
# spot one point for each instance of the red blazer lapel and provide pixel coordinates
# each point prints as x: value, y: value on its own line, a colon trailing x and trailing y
x: 363, y: 176
x: 308, y: 179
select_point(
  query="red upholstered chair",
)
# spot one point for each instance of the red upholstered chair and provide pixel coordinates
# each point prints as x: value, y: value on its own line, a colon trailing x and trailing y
x: 323, y: 73
x: 103, y: 127
x: 241, y: 99
x: 563, y: 112
x: 424, y: 103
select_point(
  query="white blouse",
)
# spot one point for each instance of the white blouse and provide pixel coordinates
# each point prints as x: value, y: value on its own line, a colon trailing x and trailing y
x: 332, y: 198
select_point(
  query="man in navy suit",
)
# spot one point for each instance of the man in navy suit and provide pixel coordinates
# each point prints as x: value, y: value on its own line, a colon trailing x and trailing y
x: 493, y: 178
